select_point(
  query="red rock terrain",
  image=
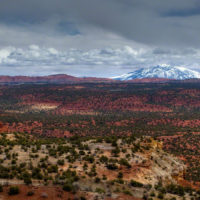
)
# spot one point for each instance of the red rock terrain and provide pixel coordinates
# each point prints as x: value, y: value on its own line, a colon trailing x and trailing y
x: 59, y: 78
x: 167, y: 110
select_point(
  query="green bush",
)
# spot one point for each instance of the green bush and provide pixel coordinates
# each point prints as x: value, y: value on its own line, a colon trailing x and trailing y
x: 124, y: 162
x: 97, y: 180
x: 112, y: 166
x: 160, y: 195
x: 136, y: 184
x: 30, y: 193
x: 120, y: 181
x: 104, y: 177
x: 175, y: 189
x: 99, y: 190
x: 27, y: 180
x: 1, y: 188
x: 120, y: 175
x: 52, y: 169
x: 61, y: 162
x: 89, y: 158
x: 13, y: 190
x: 152, y: 194
x: 68, y: 187
x: 103, y: 159
x: 127, y: 192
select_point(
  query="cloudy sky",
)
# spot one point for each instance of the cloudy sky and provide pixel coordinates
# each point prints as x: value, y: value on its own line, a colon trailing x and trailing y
x: 100, y: 38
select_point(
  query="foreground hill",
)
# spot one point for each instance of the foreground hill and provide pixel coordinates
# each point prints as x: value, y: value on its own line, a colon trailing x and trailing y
x: 89, y: 168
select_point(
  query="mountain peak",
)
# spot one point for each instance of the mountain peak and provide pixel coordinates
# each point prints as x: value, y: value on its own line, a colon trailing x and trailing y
x: 160, y: 71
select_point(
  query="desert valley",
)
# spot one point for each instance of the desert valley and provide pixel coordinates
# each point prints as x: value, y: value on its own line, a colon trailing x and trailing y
x: 100, y: 139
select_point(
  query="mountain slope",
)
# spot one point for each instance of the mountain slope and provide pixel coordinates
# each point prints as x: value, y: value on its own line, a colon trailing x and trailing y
x: 167, y: 72
x: 57, y: 78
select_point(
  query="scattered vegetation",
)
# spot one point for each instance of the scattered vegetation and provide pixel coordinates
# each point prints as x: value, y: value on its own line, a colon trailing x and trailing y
x: 66, y: 135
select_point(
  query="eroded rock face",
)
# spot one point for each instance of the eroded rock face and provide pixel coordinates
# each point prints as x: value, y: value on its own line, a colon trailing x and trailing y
x: 152, y: 165
x: 149, y: 165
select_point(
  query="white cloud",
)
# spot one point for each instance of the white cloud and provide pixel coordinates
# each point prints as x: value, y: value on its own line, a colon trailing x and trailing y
x: 4, y: 53
x: 104, y: 62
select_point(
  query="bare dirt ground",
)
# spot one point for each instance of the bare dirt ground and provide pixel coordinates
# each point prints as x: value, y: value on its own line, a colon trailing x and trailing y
x: 43, y: 192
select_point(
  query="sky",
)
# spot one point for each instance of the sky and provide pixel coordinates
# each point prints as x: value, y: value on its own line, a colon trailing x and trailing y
x: 101, y: 38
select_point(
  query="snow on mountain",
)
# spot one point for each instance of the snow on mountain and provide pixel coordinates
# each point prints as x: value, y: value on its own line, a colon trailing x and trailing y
x: 160, y: 71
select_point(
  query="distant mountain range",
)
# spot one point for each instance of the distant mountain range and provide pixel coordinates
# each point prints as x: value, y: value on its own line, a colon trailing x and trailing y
x: 151, y: 74
x: 58, y: 78
x: 164, y: 72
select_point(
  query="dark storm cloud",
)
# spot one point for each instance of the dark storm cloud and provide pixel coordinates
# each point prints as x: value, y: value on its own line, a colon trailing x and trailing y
x: 100, y: 37
x: 153, y: 22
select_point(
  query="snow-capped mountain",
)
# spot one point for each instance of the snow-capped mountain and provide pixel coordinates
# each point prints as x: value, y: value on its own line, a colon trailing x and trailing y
x: 159, y: 71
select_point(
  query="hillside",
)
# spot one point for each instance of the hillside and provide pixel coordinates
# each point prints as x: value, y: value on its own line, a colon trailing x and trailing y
x: 91, y: 168
x: 58, y: 78
x: 166, y: 111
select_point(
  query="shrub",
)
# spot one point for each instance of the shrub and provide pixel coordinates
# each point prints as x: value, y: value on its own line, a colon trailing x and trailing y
x: 1, y: 188
x: 13, y: 190
x: 27, y: 180
x: 103, y: 159
x: 112, y: 166
x: 61, y: 162
x: 68, y: 187
x: 30, y: 193
x: 175, y: 189
x: 89, y: 158
x: 104, y: 177
x: 36, y: 173
x: 85, y: 166
x: 81, y: 152
x: 116, y: 151
x: 22, y: 165
x: 97, y: 180
x: 120, y: 181
x: 120, y: 175
x: 124, y: 162
x: 52, y: 169
x: 127, y: 192
x: 152, y: 194
x: 136, y: 184
x: 160, y: 195
x: 13, y: 162
x: 99, y: 190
